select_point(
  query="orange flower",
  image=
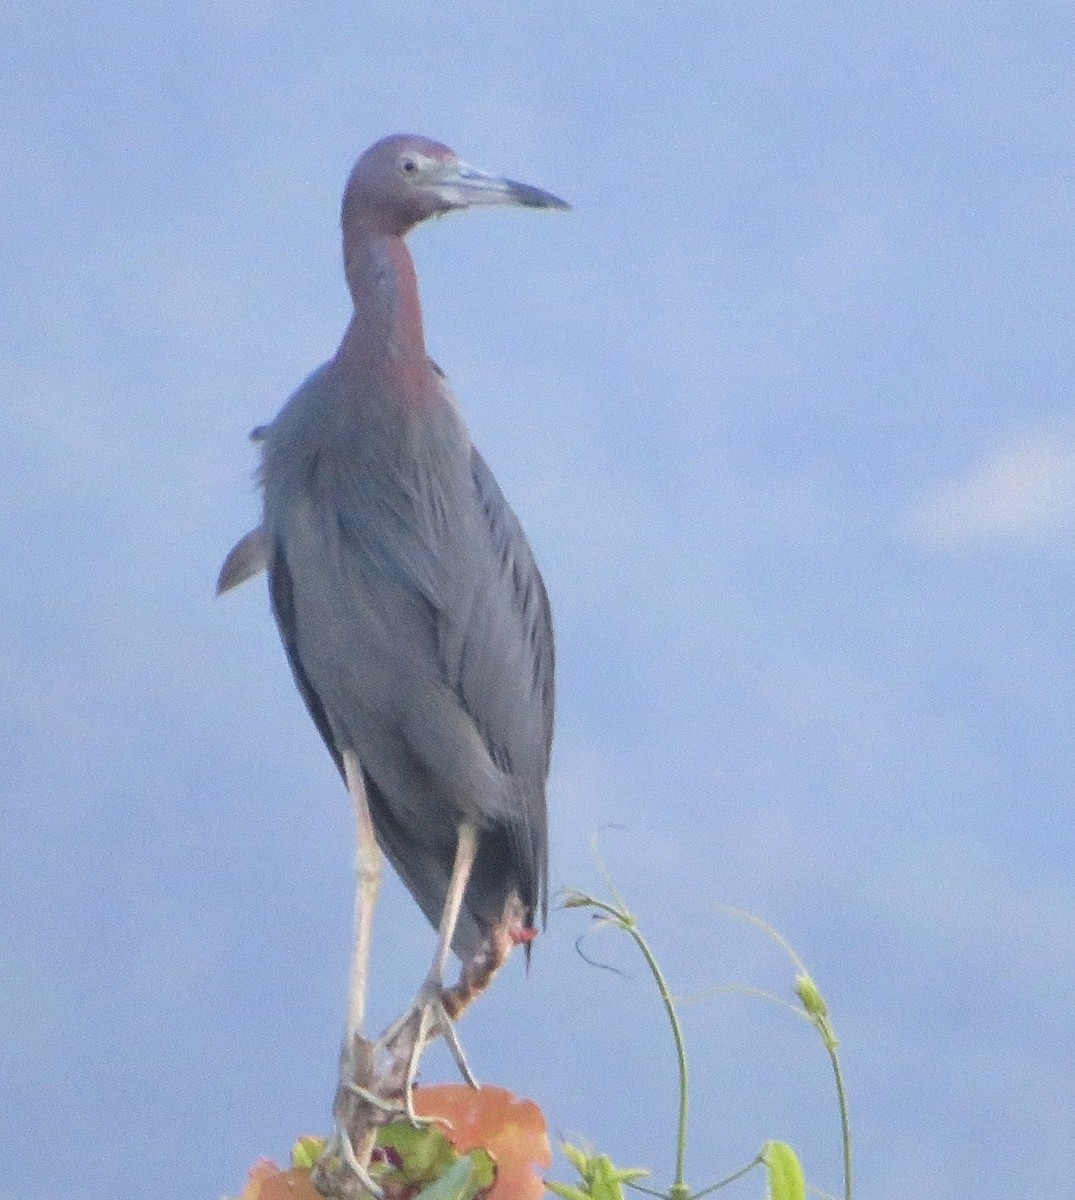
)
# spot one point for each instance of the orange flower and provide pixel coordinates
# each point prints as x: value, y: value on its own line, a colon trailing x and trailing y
x: 513, y: 1131
x: 267, y: 1182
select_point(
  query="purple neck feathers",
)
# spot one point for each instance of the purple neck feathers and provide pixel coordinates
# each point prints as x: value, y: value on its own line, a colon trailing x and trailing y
x: 385, y: 339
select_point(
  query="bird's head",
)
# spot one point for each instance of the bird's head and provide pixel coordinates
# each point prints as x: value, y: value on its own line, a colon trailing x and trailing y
x: 403, y: 179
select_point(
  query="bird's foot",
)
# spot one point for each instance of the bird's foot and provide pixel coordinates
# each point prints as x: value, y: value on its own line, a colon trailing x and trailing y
x: 376, y: 1087
x: 342, y: 1171
x: 377, y: 1078
x: 339, y: 1173
x: 402, y: 1044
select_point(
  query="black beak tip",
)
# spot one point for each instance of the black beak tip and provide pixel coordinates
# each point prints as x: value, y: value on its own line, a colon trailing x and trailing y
x: 534, y: 197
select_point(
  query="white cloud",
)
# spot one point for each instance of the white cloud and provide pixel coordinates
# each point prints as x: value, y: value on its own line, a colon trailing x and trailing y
x: 1024, y: 489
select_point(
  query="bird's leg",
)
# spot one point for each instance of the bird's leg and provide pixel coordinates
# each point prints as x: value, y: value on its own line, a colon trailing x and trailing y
x: 368, y: 869
x: 357, y: 1106
x: 427, y: 1017
x: 479, y: 971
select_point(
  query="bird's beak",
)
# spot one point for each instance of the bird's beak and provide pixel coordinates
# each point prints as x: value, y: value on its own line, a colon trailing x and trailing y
x: 462, y: 186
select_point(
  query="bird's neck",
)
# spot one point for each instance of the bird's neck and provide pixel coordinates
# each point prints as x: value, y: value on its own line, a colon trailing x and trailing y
x: 385, y: 337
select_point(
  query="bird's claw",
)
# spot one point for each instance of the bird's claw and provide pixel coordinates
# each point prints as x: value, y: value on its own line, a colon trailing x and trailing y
x: 338, y: 1173
x: 404, y: 1041
x: 455, y: 1046
x: 389, y: 1107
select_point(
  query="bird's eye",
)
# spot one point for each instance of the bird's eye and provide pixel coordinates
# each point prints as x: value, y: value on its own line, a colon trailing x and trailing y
x: 409, y: 166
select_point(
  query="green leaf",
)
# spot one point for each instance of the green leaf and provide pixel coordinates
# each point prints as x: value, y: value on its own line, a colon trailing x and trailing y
x: 484, y: 1175
x: 601, y: 1180
x: 431, y: 1163
x: 426, y: 1153
x: 566, y: 1192
x: 604, y: 1181
x: 454, y: 1184
x: 785, y: 1174
x: 306, y: 1151
x: 630, y: 1174
x: 576, y: 1157
x: 812, y: 1000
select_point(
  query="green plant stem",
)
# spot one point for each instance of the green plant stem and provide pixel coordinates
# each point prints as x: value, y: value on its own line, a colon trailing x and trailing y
x: 817, y: 1013
x: 845, y: 1118
x: 713, y: 1187
x: 679, y: 1189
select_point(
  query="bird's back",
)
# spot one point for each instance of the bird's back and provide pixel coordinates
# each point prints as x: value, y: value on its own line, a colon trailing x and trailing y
x: 418, y: 631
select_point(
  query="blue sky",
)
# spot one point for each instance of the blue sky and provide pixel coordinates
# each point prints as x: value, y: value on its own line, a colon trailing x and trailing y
x: 785, y: 405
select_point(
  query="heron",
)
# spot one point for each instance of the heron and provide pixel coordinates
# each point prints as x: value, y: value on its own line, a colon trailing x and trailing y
x: 415, y: 621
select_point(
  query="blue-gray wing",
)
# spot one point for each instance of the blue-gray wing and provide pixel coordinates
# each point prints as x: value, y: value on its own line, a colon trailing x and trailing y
x: 282, y: 596
x: 419, y: 634
x: 499, y: 659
